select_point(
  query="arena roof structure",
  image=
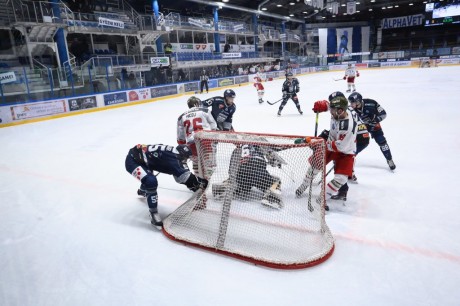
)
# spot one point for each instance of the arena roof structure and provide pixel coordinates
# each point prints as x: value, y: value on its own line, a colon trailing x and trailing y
x: 302, y: 10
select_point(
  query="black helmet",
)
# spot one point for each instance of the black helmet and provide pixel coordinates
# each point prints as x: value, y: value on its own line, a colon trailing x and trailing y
x: 289, y: 74
x: 229, y: 93
x: 339, y: 102
x: 355, y: 98
x: 336, y: 94
x: 193, y: 102
x: 184, y: 151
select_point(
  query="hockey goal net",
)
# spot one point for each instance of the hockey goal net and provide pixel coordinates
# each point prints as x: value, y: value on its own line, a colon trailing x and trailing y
x: 249, y: 209
x: 426, y: 62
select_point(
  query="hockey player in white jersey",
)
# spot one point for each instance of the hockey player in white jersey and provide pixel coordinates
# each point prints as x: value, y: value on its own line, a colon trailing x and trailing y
x: 340, y: 146
x: 196, y: 119
x: 350, y: 74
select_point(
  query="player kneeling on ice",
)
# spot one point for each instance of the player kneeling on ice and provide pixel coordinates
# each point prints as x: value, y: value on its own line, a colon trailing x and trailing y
x: 340, y: 146
x: 290, y: 89
x: 259, y: 87
x: 142, y: 160
x: 250, y: 165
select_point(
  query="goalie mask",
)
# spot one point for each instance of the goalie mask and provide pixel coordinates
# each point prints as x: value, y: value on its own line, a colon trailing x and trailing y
x: 193, y: 102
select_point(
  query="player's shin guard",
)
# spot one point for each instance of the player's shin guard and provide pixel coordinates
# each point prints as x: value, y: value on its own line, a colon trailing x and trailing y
x: 332, y: 188
x: 385, y: 150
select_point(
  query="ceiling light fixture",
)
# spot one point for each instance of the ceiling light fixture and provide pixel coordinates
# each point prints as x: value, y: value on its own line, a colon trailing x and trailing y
x: 411, y: 4
x: 264, y: 9
x: 291, y: 3
x: 279, y: 5
x: 370, y: 10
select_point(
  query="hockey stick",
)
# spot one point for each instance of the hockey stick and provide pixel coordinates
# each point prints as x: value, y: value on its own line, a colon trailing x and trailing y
x: 310, y: 207
x: 341, y: 79
x: 273, y: 103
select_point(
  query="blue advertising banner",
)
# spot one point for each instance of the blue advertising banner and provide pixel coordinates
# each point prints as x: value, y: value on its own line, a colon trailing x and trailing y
x: 241, y: 79
x: 163, y: 91
x: 115, y: 98
x: 212, y: 83
x: 191, y: 87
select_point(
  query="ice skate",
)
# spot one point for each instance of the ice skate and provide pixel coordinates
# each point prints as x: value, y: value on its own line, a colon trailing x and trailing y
x: 156, y: 219
x: 353, y: 179
x: 300, y: 112
x: 279, y: 113
x: 261, y: 101
x: 391, y: 164
x: 348, y: 90
x: 342, y: 195
x: 141, y: 193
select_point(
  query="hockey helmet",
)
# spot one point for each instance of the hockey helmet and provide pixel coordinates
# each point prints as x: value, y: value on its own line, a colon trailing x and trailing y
x: 184, y: 151
x: 336, y: 94
x: 349, y: 65
x: 289, y: 75
x: 339, y: 102
x: 193, y: 102
x: 229, y: 93
x: 355, y: 98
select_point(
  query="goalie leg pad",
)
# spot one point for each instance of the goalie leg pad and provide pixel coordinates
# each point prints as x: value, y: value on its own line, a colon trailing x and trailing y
x: 308, y: 179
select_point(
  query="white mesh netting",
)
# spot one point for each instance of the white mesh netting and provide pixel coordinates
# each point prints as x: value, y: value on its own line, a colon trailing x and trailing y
x: 249, y: 209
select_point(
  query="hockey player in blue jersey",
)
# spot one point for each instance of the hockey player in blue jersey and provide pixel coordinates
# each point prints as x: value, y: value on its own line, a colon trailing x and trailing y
x: 371, y: 113
x: 290, y: 90
x: 223, y: 109
x: 142, y: 160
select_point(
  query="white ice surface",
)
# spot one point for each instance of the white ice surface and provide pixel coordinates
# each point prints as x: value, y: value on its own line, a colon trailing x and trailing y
x: 74, y: 232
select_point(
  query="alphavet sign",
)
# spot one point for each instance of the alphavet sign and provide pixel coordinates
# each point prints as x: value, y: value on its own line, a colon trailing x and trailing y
x: 159, y: 61
x: 401, y: 22
x: 7, y: 77
x: 111, y: 23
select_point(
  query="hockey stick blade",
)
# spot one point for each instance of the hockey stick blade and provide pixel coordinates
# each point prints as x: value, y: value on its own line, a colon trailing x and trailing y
x: 341, y: 79
x: 273, y: 103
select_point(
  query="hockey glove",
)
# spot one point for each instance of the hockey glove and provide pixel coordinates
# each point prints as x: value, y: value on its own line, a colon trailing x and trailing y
x: 297, y: 90
x: 344, y: 77
x: 285, y: 95
x: 320, y: 106
x: 324, y: 134
x: 357, y: 74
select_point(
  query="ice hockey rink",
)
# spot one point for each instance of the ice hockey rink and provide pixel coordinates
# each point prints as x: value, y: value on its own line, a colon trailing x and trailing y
x: 74, y: 232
